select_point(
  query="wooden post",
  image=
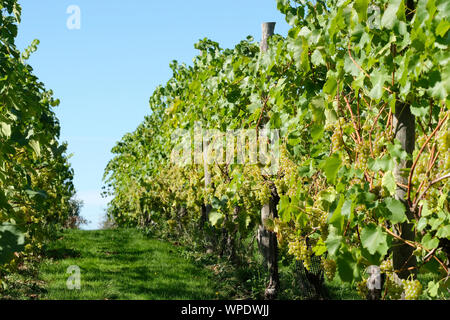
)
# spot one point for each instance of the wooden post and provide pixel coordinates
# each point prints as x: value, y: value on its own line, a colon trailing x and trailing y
x: 267, y: 240
x: 206, y: 208
x: 268, y: 29
x: 404, y: 125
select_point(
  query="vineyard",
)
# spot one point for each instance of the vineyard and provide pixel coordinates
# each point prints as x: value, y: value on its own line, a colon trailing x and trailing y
x: 326, y: 149
x: 36, y: 189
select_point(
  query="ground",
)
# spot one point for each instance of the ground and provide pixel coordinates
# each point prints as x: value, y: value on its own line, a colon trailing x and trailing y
x: 122, y: 264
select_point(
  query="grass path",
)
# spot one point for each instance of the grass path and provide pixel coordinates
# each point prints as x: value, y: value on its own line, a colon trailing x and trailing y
x: 122, y: 264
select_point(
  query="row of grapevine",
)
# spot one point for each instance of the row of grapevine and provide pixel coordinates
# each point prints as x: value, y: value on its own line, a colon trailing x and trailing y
x: 36, y: 190
x: 357, y: 94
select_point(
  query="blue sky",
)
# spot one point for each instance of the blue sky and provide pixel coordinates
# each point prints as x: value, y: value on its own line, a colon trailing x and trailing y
x: 105, y: 72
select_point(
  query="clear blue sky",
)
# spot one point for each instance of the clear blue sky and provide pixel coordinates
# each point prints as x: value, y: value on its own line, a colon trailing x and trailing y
x: 105, y: 72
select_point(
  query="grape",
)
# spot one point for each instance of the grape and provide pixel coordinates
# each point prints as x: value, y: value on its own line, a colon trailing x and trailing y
x: 362, y: 159
x: 393, y: 285
x: 379, y: 142
x: 394, y: 288
x: 336, y: 140
x: 329, y: 266
x: 287, y: 183
x: 387, y: 266
x: 299, y: 250
x: 361, y: 288
x: 263, y: 194
x: 413, y: 289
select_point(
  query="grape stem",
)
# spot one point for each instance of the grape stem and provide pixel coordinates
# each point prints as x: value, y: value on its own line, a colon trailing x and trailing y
x: 441, y: 122
x: 260, y: 116
x: 416, y: 201
x: 430, y: 166
x: 359, y: 67
x: 373, y: 126
x: 415, y: 245
x: 353, y: 120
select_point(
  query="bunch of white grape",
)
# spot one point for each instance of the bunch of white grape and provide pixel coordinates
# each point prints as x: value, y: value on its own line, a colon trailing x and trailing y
x: 361, y: 288
x: 299, y: 250
x: 363, y: 153
x: 394, y: 289
x: 412, y: 288
x: 329, y: 267
x: 443, y: 141
x: 337, y: 141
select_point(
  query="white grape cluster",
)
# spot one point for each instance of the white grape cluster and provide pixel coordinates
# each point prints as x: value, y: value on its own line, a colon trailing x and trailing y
x: 412, y: 288
x: 288, y: 177
x: 386, y: 266
x: 299, y: 250
x: 339, y: 130
x: 443, y: 141
x: 363, y: 151
x: 361, y: 288
x: 263, y: 194
x: 329, y: 267
x: 282, y: 231
x: 317, y: 218
x: 379, y: 143
x: 337, y: 141
x: 394, y: 287
x: 254, y: 188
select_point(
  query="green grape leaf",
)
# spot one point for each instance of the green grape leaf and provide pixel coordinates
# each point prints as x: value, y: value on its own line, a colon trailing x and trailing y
x: 361, y: 8
x: 384, y: 164
x: 333, y: 241
x: 215, y: 217
x: 397, y: 210
x: 433, y: 288
x: 317, y: 132
x: 330, y: 86
x: 388, y: 182
x: 390, y: 14
x: 337, y: 219
x: 430, y: 242
x: 316, y: 58
x: 423, y: 222
x: 35, y: 145
x: 374, y: 239
x: 320, y: 248
x: 11, y: 240
x: 377, y: 78
x: 443, y: 232
x: 284, y: 208
x: 331, y: 167
x: 347, y: 209
x: 346, y: 265
x: 442, y: 28
x: 425, y: 210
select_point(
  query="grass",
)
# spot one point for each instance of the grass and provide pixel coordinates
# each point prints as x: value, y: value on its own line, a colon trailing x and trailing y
x: 123, y: 265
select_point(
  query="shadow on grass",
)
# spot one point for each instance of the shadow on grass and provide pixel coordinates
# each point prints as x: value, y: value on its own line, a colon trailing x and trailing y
x: 123, y: 265
x: 62, y: 253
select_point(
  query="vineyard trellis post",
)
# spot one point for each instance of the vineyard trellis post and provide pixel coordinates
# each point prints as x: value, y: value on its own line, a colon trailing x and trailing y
x: 267, y: 240
x: 404, y: 124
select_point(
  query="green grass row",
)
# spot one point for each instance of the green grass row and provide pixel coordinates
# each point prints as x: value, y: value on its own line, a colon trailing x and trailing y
x: 123, y: 264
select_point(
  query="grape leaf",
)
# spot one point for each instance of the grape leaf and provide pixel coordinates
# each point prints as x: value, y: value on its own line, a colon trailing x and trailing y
x: 374, y: 239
